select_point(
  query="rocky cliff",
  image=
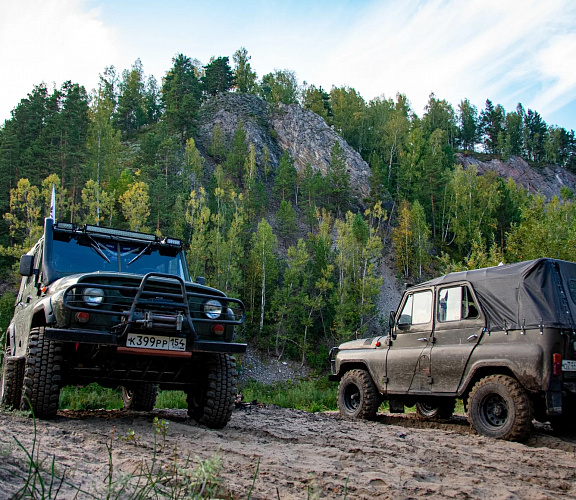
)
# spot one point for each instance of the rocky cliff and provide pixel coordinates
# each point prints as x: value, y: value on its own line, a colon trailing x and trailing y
x: 546, y: 180
x: 301, y: 132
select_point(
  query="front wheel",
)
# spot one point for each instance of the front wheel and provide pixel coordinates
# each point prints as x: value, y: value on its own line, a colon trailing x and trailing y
x: 41, y: 388
x: 211, y: 396
x: 358, y: 396
x: 500, y: 408
x: 140, y: 397
x: 440, y: 408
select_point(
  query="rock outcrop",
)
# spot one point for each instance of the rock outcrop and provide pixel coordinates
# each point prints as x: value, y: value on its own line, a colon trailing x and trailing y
x: 301, y: 132
x: 546, y: 180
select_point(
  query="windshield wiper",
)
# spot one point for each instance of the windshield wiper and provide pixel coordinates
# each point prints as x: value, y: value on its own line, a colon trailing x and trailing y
x: 98, y: 250
x: 140, y: 254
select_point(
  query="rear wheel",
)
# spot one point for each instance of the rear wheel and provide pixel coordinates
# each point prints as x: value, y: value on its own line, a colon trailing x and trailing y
x: 499, y: 407
x: 140, y: 397
x: 441, y: 408
x: 358, y: 396
x: 211, y: 397
x: 11, y: 380
x: 41, y: 387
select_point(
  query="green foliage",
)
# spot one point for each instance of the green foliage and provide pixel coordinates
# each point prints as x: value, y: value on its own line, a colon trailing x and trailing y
x: 181, y: 96
x: 286, y: 220
x: 7, y: 302
x: 338, y: 179
x: 317, y: 100
x: 218, y: 77
x: 281, y: 86
x: 91, y: 397
x: 244, y: 77
x: 285, y: 179
x: 312, y: 395
x: 546, y: 229
x: 135, y: 205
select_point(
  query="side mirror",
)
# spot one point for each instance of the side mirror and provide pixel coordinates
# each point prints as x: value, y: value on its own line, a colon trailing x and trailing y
x: 392, y: 324
x: 27, y: 265
x: 201, y: 280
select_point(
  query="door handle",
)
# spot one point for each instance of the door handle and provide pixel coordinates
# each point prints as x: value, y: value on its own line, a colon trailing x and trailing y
x: 472, y: 337
x: 423, y: 339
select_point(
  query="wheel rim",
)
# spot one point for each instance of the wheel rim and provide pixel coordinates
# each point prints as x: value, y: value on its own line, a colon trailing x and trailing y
x: 127, y: 395
x: 494, y: 411
x: 427, y: 409
x: 352, y: 397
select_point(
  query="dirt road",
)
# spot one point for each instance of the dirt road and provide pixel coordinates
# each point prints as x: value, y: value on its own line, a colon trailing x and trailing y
x: 270, y: 453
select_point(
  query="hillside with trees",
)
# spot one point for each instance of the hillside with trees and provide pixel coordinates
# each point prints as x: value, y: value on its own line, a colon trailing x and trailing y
x: 286, y: 195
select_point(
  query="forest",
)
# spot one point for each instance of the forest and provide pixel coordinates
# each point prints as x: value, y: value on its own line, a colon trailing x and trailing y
x: 294, y: 245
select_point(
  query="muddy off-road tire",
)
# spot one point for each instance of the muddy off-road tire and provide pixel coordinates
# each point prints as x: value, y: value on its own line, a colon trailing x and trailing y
x: 11, y: 380
x: 211, y: 397
x: 500, y: 408
x: 41, y: 387
x: 140, y: 397
x: 435, y: 408
x: 358, y: 396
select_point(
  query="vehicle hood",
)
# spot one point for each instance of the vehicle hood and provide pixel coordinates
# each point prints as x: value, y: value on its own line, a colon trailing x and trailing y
x: 361, y: 343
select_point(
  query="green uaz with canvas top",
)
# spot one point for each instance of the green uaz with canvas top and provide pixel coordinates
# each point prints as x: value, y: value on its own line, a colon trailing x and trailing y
x: 119, y: 308
x: 503, y: 339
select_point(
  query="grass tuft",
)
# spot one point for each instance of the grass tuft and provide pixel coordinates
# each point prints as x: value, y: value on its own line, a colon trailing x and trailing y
x: 313, y: 395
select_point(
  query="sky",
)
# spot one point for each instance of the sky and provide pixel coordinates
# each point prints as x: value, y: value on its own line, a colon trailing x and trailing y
x: 508, y: 51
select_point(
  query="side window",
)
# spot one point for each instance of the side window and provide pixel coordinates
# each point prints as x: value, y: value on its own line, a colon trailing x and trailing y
x: 417, y: 309
x: 456, y: 303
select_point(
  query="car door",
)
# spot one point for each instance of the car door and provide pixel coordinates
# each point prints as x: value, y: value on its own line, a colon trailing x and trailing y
x: 458, y: 327
x: 407, y: 370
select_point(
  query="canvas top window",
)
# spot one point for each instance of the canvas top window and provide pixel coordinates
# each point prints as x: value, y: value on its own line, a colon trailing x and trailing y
x: 455, y: 304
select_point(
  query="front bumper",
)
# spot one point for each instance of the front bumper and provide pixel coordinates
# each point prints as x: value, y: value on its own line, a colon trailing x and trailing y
x: 103, y: 338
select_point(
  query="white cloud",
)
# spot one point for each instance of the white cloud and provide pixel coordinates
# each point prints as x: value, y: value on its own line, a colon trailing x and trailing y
x: 50, y: 41
x: 477, y: 49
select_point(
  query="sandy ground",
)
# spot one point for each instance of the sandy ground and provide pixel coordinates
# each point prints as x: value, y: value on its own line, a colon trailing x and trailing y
x: 298, y: 455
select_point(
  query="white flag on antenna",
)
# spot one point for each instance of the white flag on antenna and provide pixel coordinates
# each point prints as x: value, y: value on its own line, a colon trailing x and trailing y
x: 53, y: 204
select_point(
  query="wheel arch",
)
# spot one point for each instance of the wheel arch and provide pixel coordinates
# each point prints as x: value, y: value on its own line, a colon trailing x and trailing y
x: 480, y: 373
x: 352, y: 365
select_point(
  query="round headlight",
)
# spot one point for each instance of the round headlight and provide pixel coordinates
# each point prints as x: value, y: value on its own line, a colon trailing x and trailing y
x: 212, y: 309
x: 93, y: 296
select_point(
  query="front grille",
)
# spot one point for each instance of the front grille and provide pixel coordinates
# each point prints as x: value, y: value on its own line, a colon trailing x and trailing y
x: 158, y: 301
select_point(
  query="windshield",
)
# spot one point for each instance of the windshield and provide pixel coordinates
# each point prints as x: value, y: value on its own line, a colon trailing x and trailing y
x: 81, y: 254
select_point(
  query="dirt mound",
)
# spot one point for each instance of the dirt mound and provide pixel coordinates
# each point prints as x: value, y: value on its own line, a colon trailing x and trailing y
x: 271, y: 452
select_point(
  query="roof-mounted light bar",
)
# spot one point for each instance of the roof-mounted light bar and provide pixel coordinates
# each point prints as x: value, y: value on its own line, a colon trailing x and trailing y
x: 133, y: 235
x: 119, y: 233
x: 66, y: 226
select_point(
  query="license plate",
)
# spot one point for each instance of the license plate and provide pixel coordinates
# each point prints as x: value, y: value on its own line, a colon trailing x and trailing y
x: 568, y: 365
x: 155, y: 342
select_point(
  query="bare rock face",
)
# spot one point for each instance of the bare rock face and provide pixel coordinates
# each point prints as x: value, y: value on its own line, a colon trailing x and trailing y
x: 546, y: 180
x: 304, y: 134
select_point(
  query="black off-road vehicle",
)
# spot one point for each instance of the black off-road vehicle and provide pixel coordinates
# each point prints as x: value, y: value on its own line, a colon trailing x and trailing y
x: 502, y: 339
x: 118, y: 308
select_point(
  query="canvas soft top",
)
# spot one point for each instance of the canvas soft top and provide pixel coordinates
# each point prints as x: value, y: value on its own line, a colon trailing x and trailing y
x: 532, y: 294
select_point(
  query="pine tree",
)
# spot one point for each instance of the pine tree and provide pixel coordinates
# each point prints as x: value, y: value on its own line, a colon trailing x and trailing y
x: 244, y: 77
x: 285, y: 180
x: 181, y: 96
x: 218, y: 77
